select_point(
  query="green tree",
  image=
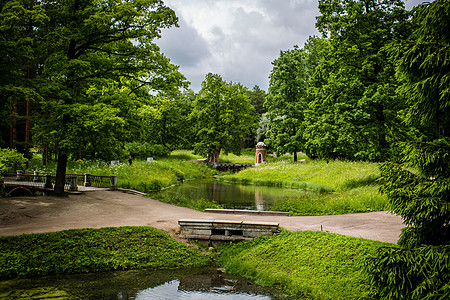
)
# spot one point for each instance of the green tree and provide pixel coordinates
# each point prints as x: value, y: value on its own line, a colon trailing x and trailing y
x: 20, y: 62
x: 165, y: 120
x: 287, y: 101
x: 419, y: 189
x: 257, y: 98
x: 354, y: 109
x: 91, y: 45
x: 223, y: 115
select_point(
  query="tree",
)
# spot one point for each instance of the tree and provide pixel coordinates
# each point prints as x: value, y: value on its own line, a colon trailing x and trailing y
x: 91, y: 46
x: 354, y: 109
x: 20, y: 55
x: 165, y: 120
x: 257, y: 98
x: 419, y: 189
x: 223, y: 115
x: 287, y: 101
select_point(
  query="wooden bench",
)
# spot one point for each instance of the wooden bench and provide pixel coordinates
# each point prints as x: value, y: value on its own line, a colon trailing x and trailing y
x: 226, y: 230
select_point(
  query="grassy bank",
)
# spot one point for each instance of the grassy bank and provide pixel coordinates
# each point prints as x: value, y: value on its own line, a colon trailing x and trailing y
x: 334, y: 187
x: 141, y: 175
x: 312, y: 265
x: 94, y: 250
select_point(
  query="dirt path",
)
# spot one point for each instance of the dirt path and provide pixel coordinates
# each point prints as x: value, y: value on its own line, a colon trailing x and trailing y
x: 113, y: 208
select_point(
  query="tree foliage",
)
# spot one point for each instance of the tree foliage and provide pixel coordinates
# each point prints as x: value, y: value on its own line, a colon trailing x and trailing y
x: 286, y: 101
x: 93, y: 59
x: 419, y: 189
x: 353, y: 112
x: 222, y: 116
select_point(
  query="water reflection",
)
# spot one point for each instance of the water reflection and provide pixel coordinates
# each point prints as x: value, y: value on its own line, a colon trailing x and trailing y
x: 173, y: 284
x: 232, y: 196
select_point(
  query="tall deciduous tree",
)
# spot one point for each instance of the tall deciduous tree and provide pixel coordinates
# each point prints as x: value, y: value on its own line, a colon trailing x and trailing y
x: 419, y: 190
x: 223, y: 115
x: 95, y: 43
x: 286, y: 101
x: 354, y: 111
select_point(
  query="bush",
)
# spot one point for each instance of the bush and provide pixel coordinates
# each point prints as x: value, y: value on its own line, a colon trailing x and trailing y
x: 144, y: 150
x: 11, y: 160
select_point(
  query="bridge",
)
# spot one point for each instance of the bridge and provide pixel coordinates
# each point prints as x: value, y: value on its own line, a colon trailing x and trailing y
x: 45, y: 182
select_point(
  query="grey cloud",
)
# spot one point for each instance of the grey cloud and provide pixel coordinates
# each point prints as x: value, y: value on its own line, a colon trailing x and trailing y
x: 183, y: 45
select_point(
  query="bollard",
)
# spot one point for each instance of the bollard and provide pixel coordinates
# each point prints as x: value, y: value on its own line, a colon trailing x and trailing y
x: 36, y: 176
x: 19, y: 176
x: 48, y: 182
x: 114, y: 182
x: 87, y: 179
x: 73, y: 183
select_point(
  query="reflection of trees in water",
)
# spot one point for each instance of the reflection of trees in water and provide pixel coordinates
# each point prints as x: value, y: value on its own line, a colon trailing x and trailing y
x: 259, y: 200
x: 213, y: 189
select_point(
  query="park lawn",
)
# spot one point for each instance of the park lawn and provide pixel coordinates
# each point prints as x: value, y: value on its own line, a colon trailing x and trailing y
x: 307, y: 265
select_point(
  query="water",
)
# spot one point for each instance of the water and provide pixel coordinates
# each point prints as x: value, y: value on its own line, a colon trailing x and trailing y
x: 232, y: 196
x: 152, y: 285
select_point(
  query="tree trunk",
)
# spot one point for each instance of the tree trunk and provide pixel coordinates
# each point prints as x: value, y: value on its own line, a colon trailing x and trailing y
x: 61, y: 174
x: 213, y: 156
x: 295, y: 156
x: 45, y: 154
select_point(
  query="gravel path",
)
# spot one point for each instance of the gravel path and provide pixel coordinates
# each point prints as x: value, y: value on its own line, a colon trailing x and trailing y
x: 96, y: 209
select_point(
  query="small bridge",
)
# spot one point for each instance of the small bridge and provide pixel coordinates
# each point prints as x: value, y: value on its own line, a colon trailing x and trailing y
x: 224, y: 230
x: 45, y: 182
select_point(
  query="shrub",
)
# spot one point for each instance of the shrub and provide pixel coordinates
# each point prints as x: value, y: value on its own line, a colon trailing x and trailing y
x: 11, y: 160
x: 144, y: 150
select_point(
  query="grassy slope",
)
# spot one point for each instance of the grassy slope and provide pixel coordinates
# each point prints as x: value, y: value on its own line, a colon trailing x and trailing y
x: 334, y: 187
x: 313, y: 265
x: 94, y: 250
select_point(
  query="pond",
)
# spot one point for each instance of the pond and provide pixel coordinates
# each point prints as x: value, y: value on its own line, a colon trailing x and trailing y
x: 230, y: 195
x: 152, y: 285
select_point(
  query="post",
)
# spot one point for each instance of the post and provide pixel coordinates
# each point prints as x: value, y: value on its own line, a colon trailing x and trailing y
x: 87, y: 179
x: 73, y: 183
x: 19, y: 176
x: 114, y: 182
x: 48, y: 182
x: 35, y: 176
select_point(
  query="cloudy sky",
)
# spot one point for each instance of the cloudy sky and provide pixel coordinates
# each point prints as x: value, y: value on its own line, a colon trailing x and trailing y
x: 237, y: 39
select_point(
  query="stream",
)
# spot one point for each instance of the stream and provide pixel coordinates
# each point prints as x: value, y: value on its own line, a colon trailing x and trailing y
x: 197, y: 283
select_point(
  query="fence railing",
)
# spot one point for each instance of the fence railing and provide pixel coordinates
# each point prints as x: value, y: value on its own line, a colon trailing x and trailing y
x: 47, y: 180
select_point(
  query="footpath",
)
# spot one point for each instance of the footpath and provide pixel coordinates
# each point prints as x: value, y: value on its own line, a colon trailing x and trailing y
x: 96, y: 209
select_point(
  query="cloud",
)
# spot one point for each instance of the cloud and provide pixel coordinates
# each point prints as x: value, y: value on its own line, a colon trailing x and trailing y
x: 237, y: 39
x: 184, y: 45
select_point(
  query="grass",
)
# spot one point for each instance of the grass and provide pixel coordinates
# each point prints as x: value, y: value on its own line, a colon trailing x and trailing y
x: 94, y: 250
x: 311, y: 265
x: 180, y: 200
x: 141, y: 176
x: 334, y: 187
